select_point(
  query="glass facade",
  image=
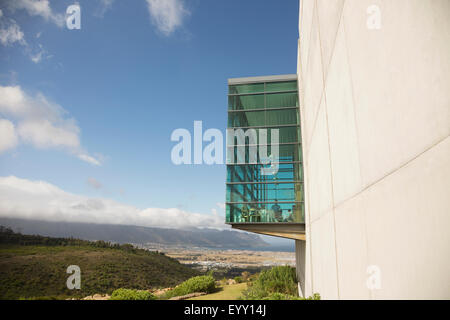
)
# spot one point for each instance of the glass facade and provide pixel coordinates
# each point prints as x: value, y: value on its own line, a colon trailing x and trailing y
x: 253, y: 196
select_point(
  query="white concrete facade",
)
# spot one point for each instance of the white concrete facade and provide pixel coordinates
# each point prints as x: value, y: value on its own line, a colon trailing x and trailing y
x: 374, y: 86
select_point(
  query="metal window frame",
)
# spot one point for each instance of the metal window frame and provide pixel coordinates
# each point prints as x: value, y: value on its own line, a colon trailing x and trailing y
x: 261, y: 79
x: 275, y: 126
x: 263, y: 92
x: 245, y: 163
x: 264, y: 182
x: 266, y: 202
x: 262, y: 109
x: 262, y: 144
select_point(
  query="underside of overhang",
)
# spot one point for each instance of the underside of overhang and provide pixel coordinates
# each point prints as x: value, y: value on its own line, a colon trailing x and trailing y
x: 294, y: 231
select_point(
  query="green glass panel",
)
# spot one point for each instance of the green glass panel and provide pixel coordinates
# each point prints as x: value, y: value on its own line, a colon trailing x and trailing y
x: 270, y: 212
x: 252, y: 173
x: 287, y: 152
x: 231, y: 102
x: 280, y: 100
x: 247, y: 102
x: 262, y: 192
x: 228, y: 214
x: 246, y: 119
x: 263, y: 118
x: 246, y: 88
x: 242, y: 154
x: 252, y: 196
x: 281, y: 86
x: 285, y: 135
x: 277, y: 117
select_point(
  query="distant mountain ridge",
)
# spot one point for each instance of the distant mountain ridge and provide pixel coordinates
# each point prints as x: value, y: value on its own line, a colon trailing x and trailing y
x: 211, y: 238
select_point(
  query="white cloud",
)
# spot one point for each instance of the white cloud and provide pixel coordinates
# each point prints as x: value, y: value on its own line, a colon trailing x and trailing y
x: 12, y: 101
x: 25, y: 199
x: 38, y: 8
x: 105, y: 5
x: 10, y: 32
x: 8, y: 136
x: 90, y: 159
x: 221, y: 205
x: 167, y: 15
x: 42, y: 123
x: 37, y: 57
x: 44, y: 134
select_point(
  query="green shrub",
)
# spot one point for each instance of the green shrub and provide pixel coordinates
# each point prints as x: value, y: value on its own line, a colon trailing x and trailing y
x: 238, y: 279
x: 196, y: 284
x: 131, y: 294
x: 315, y: 296
x: 282, y: 296
x: 280, y: 279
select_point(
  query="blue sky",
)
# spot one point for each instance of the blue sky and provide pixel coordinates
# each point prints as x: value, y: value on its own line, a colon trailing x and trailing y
x: 134, y: 72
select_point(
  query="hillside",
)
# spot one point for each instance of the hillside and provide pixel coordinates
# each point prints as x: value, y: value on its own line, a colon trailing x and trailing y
x: 140, y: 235
x: 35, y: 266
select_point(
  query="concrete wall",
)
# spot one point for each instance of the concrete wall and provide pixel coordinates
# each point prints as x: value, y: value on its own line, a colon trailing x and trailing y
x: 300, y: 263
x: 375, y: 105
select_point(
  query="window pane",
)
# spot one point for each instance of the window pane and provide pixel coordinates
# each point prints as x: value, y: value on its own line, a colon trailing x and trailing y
x: 287, y: 134
x: 279, y: 100
x: 263, y: 192
x: 252, y: 173
x: 281, y: 86
x: 246, y: 119
x: 287, y: 152
x: 270, y: 212
x: 277, y: 117
x: 254, y: 101
x: 231, y: 102
x: 246, y: 88
x: 241, y: 154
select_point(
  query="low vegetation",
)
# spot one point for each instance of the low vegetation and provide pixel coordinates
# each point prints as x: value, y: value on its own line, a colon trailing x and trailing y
x: 282, y: 296
x: 238, y: 279
x: 196, y: 284
x: 35, y: 267
x: 280, y: 279
x: 130, y: 294
x: 278, y: 283
x: 226, y: 292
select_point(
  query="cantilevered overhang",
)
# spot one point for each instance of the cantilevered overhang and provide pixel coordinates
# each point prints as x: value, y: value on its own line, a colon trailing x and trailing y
x: 276, y: 78
x: 294, y: 231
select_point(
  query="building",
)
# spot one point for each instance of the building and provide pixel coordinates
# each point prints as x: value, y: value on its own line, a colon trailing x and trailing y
x: 271, y: 204
x: 374, y: 102
x: 255, y: 199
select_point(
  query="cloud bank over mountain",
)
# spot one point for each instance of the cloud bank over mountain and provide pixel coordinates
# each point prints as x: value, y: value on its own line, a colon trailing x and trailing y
x: 40, y: 200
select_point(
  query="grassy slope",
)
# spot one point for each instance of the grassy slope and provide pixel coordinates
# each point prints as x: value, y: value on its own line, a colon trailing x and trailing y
x: 39, y: 270
x: 228, y: 292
